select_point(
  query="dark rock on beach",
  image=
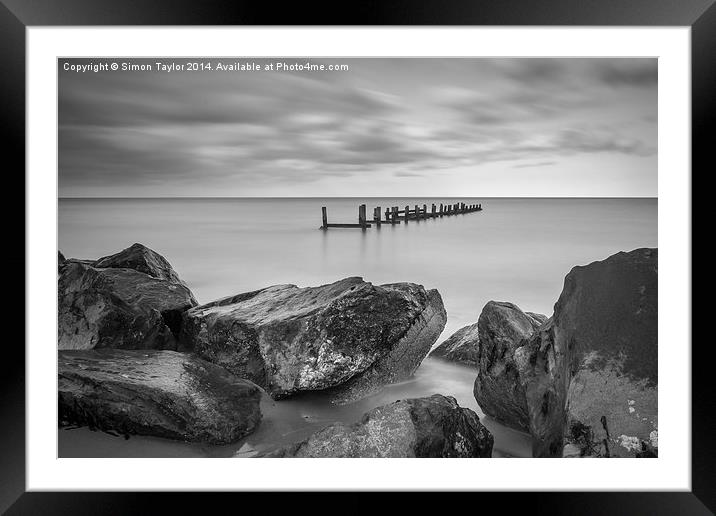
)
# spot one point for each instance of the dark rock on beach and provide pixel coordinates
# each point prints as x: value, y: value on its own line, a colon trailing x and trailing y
x: 423, y: 427
x: 349, y: 337
x: 463, y: 345
x: 537, y: 319
x: 460, y: 347
x: 141, y: 259
x: 590, y: 373
x: 490, y: 344
x: 159, y: 393
x: 502, y: 328
x: 131, y: 300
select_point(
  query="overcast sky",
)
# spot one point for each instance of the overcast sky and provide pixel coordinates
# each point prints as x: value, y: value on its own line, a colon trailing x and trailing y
x: 385, y: 127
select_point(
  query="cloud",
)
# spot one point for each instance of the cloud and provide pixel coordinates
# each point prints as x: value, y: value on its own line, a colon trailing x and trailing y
x: 639, y: 74
x: 536, y: 70
x: 210, y: 132
x: 531, y: 165
x: 585, y: 141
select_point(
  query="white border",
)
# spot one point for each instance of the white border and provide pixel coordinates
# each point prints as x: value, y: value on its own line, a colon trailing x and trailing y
x: 671, y: 471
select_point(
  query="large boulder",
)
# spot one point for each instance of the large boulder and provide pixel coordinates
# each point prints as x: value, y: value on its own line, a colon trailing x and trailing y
x: 590, y: 373
x: 160, y: 393
x: 108, y: 306
x: 460, y: 347
x: 463, y: 346
x: 423, y: 427
x: 141, y: 259
x: 501, y: 329
x: 350, y: 336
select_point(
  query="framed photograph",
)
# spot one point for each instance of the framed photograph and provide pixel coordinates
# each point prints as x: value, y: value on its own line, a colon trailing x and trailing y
x: 419, y: 253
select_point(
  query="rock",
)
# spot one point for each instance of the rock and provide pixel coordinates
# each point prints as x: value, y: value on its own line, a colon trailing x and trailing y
x: 119, y: 307
x: 537, y: 319
x: 159, y: 393
x: 141, y: 259
x: 502, y: 328
x: 350, y: 336
x: 423, y: 427
x: 461, y: 346
x: 62, y: 261
x: 571, y: 451
x: 590, y: 373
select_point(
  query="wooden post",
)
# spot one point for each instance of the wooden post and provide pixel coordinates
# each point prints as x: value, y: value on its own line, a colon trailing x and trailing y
x: 325, y: 218
x: 361, y: 216
x: 425, y: 211
x: 376, y: 215
x: 441, y: 209
x: 417, y: 212
x: 395, y: 214
x: 433, y: 212
x: 387, y: 214
x: 407, y: 213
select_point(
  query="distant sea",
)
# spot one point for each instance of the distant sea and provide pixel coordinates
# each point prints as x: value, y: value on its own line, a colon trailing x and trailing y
x: 516, y: 250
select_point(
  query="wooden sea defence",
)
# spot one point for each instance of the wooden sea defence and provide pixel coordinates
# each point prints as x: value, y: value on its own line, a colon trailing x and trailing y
x: 395, y: 215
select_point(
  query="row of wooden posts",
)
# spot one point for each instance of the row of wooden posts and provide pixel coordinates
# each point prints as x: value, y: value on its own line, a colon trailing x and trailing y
x: 394, y: 215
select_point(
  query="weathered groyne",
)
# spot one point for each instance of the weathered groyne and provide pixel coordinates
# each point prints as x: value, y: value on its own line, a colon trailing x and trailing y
x: 396, y: 215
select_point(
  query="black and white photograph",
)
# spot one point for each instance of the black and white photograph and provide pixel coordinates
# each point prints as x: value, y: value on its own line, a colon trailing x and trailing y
x: 357, y: 257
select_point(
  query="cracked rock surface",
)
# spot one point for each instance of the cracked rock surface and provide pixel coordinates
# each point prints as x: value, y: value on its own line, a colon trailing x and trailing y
x: 349, y: 337
x: 434, y: 426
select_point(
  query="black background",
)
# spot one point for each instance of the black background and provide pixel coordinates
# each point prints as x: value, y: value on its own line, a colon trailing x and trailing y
x: 16, y: 15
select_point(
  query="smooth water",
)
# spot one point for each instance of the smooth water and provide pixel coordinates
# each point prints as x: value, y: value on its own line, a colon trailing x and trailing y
x: 516, y: 250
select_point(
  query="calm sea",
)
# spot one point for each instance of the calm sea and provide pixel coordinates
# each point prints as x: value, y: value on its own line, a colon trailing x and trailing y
x: 516, y: 250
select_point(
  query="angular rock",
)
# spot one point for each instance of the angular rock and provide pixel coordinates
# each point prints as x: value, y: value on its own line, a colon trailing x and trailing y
x: 141, y: 259
x: 350, y: 336
x: 461, y: 346
x: 590, y: 373
x: 537, y: 319
x: 159, y: 393
x: 541, y: 371
x: 422, y: 427
x: 119, y: 307
x: 502, y: 328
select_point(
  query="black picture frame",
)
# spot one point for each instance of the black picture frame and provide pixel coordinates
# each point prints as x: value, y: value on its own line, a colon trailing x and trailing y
x: 17, y: 15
